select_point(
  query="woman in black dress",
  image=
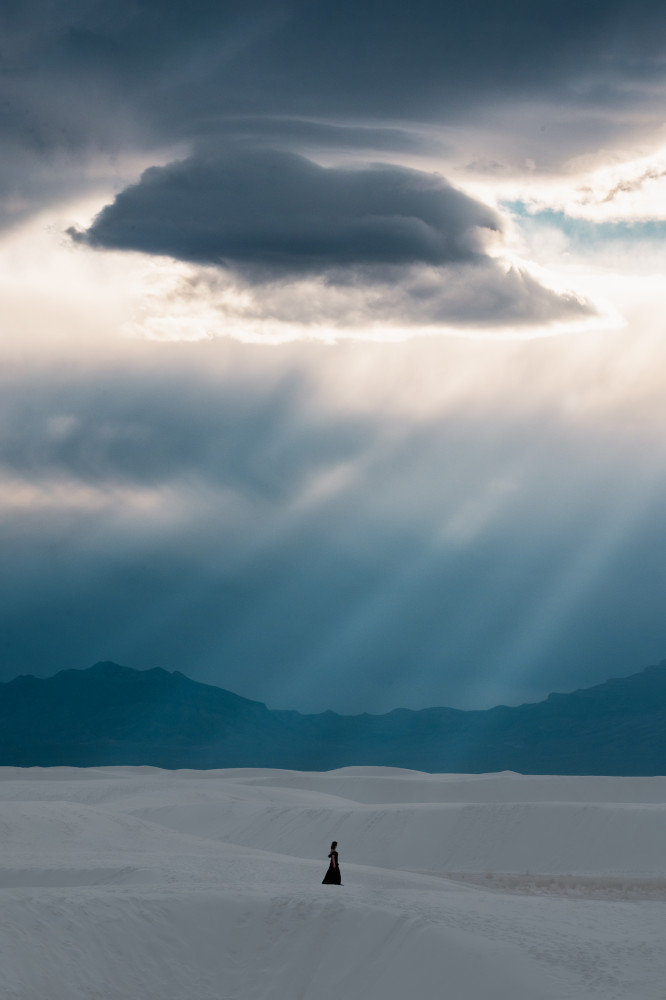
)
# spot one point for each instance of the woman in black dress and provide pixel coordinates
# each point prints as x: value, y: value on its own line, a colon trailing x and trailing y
x: 332, y: 876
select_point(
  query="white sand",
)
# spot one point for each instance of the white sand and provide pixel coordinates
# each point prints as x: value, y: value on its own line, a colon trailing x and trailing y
x: 140, y: 884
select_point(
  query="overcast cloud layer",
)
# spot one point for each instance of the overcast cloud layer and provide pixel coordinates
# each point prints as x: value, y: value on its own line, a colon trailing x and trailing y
x: 87, y: 79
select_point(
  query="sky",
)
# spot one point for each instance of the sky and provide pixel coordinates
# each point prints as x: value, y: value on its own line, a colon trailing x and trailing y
x: 332, y: 345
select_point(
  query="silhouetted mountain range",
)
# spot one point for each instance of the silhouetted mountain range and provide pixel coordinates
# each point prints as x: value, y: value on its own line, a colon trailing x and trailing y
x: 110, y: 714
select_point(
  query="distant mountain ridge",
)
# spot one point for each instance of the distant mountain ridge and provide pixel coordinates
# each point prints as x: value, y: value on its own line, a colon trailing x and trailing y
x: 111, y: 714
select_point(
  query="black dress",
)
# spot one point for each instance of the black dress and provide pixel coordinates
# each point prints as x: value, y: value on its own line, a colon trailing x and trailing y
x: 332, y: 876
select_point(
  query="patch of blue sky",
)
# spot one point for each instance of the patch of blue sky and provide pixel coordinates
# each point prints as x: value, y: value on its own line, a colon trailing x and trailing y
x: 586, y: 232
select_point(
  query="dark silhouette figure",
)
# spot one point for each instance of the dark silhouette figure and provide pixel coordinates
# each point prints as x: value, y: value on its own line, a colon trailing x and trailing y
x: 332, y: 876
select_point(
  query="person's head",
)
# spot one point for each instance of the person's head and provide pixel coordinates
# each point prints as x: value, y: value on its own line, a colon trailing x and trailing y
x: 334, y: 845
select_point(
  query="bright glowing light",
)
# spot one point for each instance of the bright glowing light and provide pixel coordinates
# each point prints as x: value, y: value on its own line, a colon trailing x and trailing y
x: 610, y: 187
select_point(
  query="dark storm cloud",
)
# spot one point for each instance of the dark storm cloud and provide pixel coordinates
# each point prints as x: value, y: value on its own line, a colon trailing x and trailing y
x: 282, y: 212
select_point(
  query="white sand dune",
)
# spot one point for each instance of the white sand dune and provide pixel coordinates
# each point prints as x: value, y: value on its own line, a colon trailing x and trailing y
x: 141, y: 884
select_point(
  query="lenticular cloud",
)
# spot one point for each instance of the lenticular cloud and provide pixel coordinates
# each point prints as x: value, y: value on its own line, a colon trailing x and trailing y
x: 379, y: 244
x: 279, y: 213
